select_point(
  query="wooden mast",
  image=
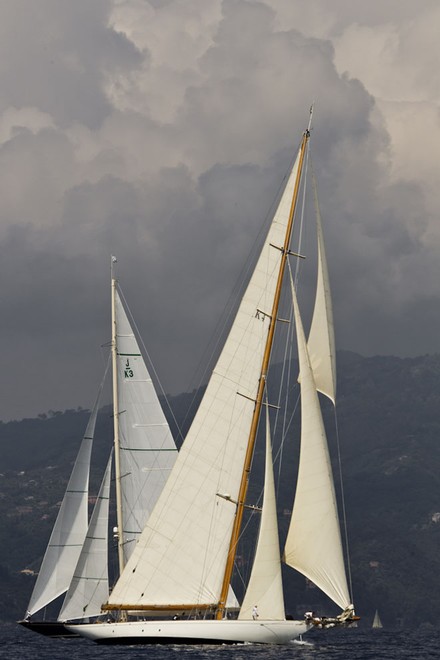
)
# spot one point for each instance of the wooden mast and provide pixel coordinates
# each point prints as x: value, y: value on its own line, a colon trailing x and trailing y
x: 261, y: 386
x: 116, y: 424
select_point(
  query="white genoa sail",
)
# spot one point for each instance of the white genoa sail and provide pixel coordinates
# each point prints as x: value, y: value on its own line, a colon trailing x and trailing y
x: 181, y: 555
x: 89, y: 587
x: 313, y: 544
x: 265, y: 588
x: 70, y: 528
x: 147, y: 451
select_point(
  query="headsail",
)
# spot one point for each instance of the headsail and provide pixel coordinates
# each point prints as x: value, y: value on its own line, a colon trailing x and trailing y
x: 265, y: 588
x: 147, y: 450
x: 321, y: 341
x: 181, y: 555
x: 70, y: 528
x: 89, y: 587
x: 313, y: 544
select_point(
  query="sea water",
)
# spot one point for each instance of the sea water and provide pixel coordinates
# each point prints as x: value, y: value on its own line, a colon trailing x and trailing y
x: 16, y: 643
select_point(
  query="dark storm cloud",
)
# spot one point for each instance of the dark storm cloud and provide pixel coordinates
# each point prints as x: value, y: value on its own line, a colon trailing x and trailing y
x: 161, y: 132
x: 59, y: 53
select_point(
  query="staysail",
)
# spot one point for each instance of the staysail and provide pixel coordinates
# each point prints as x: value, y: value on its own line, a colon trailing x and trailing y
x: 181, y: 555
x: 89, y: 587
x: 313, y: 544
x: 265, y: 588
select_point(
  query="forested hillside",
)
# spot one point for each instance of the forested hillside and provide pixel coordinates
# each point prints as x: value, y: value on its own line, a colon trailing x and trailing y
x: 389, y: 432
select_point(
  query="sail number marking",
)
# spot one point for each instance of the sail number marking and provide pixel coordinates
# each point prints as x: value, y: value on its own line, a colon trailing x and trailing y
x: 128, y: 371
x: 261, y: 316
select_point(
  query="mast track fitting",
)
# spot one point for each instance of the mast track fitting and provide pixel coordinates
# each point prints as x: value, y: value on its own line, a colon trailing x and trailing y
x: 249, y: 398
x: 228, y: 498
x: 288, y: 252
x: 263, y: 314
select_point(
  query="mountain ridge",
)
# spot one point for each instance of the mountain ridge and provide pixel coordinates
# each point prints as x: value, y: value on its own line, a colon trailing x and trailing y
x: 389, y: 430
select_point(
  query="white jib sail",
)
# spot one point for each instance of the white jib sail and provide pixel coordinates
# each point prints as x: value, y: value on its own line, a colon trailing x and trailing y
x: 313, y: 544
x: 89, y: 586
x: 147, y: 448
x: 181, y: 555
x: 321, y: 341
x: 70, y: 528
x: 265, y: 588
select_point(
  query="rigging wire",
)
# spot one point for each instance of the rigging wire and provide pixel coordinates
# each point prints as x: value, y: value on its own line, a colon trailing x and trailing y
x: 290, y: 334
x: 287, y: 357
x: 211, y: 350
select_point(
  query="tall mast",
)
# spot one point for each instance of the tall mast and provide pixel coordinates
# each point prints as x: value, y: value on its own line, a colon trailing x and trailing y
x: 116, y: 422
x: 261, y: 385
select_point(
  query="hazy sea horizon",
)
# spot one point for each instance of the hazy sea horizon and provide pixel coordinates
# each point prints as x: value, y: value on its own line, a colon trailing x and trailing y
x: 16, y: 643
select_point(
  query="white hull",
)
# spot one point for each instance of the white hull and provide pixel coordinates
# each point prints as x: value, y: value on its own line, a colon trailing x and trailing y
x: 193, y: 632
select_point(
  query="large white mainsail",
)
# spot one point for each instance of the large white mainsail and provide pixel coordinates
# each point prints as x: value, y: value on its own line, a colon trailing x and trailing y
x: 181, y: 555
x: 265, y: 587
x: 89, y: 587
x: 70, y: 528
x: 146, y: 447
x: 321, y: 341
x: 313, y: 544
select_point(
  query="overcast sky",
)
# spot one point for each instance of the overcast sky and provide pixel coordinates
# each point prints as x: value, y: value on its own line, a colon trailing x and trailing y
x: 160, y: 130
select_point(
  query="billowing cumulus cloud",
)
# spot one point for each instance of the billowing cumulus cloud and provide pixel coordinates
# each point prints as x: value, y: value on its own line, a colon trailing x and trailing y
x: 160, y: 131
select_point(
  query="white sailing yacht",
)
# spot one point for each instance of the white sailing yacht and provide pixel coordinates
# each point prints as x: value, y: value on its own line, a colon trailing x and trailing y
x: 377, y: 623
x: 179, y: 574
x: 76, y: 558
